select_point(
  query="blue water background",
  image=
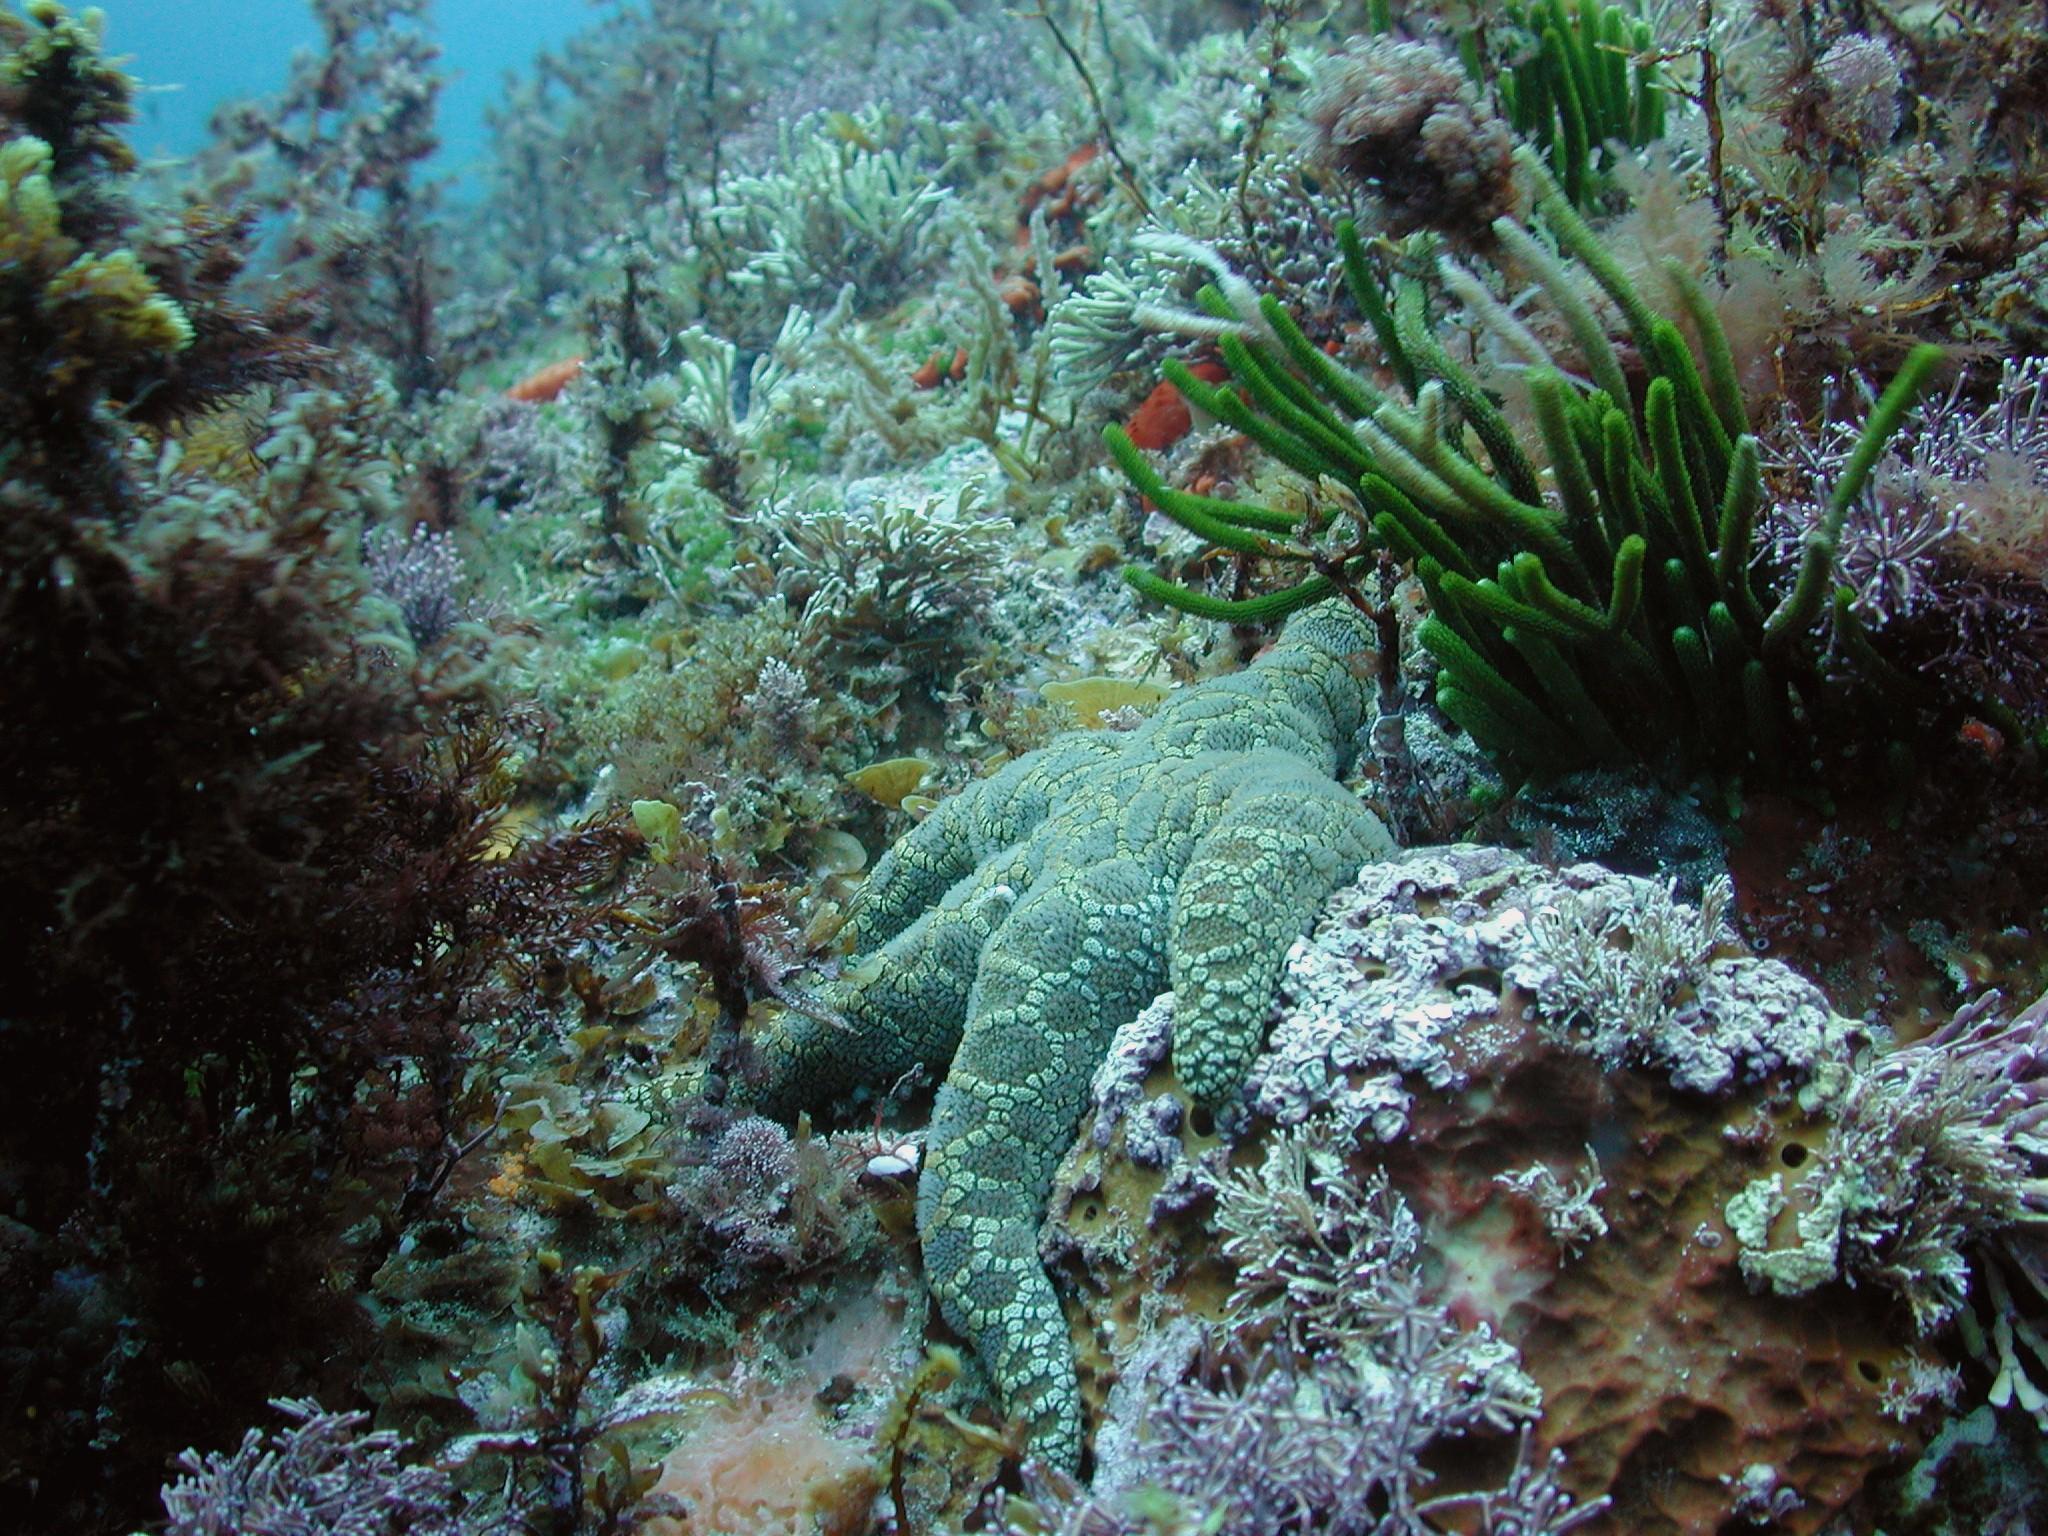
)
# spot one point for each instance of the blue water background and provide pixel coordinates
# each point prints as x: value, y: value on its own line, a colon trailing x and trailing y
x: 194, y: 55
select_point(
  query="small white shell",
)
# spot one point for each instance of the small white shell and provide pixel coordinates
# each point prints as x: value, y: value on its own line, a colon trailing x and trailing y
x: 897, y: 1162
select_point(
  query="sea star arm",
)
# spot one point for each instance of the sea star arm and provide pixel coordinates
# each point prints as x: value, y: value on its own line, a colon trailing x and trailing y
x: 900, y: 1008
x: 1301, y: 697
x: 991, y: 814
x: 1252, y: 887
x: 1073, y: 961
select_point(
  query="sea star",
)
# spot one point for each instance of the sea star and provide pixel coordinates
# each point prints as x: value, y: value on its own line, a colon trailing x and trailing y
x: 1033, y: 913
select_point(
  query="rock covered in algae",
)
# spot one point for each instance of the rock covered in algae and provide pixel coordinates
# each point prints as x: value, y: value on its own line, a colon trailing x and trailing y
x: 1570, y: 1177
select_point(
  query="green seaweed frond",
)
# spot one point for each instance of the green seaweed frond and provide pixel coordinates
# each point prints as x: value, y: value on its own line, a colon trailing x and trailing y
x: 1592, y: 593
x: 1589, y: 79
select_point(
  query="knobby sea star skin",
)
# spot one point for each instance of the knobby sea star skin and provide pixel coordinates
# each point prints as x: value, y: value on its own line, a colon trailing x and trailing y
x: 1033, y: 913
